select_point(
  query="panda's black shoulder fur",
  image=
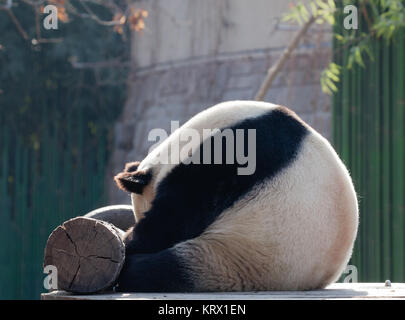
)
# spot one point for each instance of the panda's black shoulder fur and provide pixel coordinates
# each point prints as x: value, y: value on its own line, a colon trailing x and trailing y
x: 192, y: 196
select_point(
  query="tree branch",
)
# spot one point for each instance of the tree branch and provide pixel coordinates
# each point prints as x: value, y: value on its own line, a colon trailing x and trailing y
x: 93, y: 16
x: 273, y: 71
x: 15, y: 21
x: 100, y: 64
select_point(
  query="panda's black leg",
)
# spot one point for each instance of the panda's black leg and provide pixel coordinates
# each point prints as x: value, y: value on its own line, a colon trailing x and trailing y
x: 157, y: 272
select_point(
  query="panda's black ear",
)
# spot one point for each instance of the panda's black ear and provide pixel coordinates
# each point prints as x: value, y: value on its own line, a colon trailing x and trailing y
x: 133, y: 182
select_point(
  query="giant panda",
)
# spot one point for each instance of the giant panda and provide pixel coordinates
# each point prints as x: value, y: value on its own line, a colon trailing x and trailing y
x: 290, y: 225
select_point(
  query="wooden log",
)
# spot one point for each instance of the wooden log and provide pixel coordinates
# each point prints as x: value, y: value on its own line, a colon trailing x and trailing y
x: 120, y: 216
x: 87, y: 253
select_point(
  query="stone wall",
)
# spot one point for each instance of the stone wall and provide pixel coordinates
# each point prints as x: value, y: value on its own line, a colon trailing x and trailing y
x: 163, y: 89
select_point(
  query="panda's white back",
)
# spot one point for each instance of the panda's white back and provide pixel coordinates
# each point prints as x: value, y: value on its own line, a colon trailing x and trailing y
x: 219, y: 116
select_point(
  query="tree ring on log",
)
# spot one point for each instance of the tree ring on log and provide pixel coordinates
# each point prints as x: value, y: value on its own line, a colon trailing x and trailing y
x: 87, y: 253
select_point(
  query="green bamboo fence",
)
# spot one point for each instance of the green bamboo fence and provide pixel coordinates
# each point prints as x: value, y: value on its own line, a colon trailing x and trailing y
x: 39, y: 189
x: 369, y: 134
x: 56, y: 123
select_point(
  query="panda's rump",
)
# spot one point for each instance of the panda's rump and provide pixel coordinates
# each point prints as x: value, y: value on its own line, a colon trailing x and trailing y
x: 294, y: 231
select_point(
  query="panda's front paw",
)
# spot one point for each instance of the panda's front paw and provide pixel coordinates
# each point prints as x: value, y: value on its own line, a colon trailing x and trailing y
x: 129, y: 241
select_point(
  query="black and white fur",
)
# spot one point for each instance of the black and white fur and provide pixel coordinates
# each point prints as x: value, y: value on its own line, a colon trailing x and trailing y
x: 289, y: 226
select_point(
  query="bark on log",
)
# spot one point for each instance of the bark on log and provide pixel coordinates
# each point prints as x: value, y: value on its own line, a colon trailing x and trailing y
x: 120, y: 216
x: 87, y: 253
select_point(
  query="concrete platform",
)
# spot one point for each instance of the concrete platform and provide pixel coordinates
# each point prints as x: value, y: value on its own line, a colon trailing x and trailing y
x: 336, y: 291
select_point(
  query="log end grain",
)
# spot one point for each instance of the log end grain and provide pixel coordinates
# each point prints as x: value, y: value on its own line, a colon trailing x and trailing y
x: 87, y: 253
